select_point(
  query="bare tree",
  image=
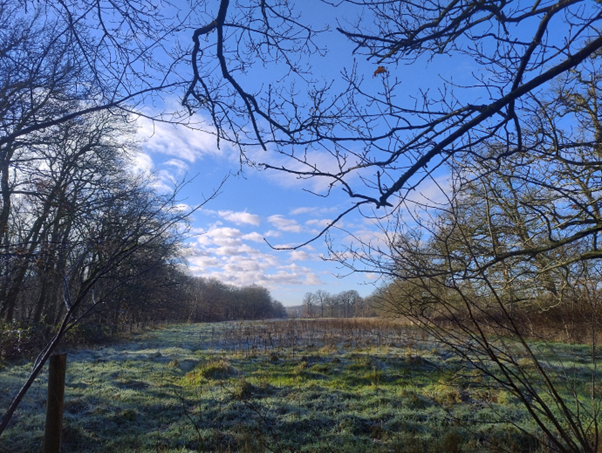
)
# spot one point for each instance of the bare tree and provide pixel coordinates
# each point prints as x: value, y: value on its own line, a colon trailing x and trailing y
x: 130, y: 237
x: 58, y: 179
x: 381, y: 140
x: 348, y: 299
x: 511, y: 256
x: 309, y: 303
x: 322, y: 299
x: 392, y: 139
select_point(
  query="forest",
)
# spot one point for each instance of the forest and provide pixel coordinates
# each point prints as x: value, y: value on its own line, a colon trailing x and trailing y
x: 465, y: 135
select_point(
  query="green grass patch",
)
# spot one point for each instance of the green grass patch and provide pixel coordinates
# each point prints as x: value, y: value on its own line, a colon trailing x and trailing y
x: 246, y: 387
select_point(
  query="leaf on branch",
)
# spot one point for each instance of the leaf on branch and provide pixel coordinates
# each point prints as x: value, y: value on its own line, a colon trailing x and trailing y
x: 379, y: 70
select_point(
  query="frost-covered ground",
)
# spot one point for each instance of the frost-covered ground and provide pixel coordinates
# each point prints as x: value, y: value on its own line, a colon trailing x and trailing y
x: 106, y: 389
x: 277, y: 386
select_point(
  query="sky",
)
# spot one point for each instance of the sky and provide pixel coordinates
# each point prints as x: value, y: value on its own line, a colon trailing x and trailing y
x: 235, y: 236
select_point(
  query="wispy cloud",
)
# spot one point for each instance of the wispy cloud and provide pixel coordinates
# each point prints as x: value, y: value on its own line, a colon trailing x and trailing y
x: 313, y: 158
x: 179, y: 141
x: 323, y: 223
x: 254, y: 236
x: 303, y: 210
x: 299, y: 255
x: 283, y: 224
x: 240, y: 218
x: 162, y: 180
x: 180, y: 166
x: 315, y: 210
x: 143, y: 163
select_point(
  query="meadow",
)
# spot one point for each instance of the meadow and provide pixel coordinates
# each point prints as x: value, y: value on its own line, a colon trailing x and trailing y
x: 283, y: 386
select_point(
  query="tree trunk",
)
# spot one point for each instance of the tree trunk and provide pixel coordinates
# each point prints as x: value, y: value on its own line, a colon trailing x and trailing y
x: 54, y: 406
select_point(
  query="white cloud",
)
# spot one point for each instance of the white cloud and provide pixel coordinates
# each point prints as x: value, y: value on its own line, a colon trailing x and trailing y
x: 313, y: 158
x: 255, y: 237
x: 180, y: 166
x: 313, y: 280
x: 243, y: 265
x: 315, y: 210
x: 183, y: 143
x: 374, y: 237
x: 240, y: 218
x: 222, y: 253
x: 197, y: 230
x: 260, y: 269
x: 282, y: 277
x: 323, y: 223
x: 283, y: 224
x: 293, y: 274
x: 162, y: 180
x: 200, y: 263
x: 234, y: 250
x: 223, y: 236
x: 298, y: 276
x: 142, y: 163
x: 299, y: 255
x: 183, y: 207
x: 272, y: 234
x: 303, y: 210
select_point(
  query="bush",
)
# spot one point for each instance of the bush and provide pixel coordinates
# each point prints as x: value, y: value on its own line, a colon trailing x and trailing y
x: 89, y: 333
x: 25, y: 341
x: 18, y: 341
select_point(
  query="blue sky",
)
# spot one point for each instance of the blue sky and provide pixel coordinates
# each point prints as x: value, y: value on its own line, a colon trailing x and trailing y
x: 235, y: 235
x: 230, y: 232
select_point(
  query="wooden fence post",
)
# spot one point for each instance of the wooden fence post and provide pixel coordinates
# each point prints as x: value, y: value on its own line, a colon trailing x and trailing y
x: 54, y: 405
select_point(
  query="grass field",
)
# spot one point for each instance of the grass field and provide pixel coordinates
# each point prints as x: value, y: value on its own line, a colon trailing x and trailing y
x: 282, y: 386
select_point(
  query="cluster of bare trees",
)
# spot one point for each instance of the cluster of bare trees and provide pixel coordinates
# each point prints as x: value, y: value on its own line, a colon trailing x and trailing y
x: 78, y: 231
x: 508, y: 254
x: 211, y: 300
x: 75, y: 219
x: 72, y: 219
x: 509, y: 249
x: 346, y: 304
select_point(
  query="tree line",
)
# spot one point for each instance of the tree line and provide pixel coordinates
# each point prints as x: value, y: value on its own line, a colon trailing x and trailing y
x: 210, y: 300
x: 346, y: 304
x: 81, y: 233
